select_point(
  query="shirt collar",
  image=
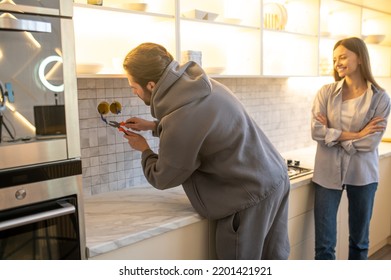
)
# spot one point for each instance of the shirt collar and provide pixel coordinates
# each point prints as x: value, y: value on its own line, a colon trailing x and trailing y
x: 340, y: 84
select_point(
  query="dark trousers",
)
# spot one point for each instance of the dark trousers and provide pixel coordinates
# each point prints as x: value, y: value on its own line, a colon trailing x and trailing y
x: 258, y: 232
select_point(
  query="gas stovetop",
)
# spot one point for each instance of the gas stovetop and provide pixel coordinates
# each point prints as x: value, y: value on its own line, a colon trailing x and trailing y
x: 296, y: 171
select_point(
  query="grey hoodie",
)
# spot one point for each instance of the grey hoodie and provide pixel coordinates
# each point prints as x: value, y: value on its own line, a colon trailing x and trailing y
x: 209, y: 145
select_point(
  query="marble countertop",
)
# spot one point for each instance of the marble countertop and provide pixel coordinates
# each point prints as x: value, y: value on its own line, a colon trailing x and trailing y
x: 118, y: 219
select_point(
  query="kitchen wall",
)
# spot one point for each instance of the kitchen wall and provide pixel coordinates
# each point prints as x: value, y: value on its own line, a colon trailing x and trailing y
x: 281, y: 107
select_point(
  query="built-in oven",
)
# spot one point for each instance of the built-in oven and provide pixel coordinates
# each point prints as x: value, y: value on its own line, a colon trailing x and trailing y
x: 41, y: 212
x: 41, y: 231
x: 41, y: 207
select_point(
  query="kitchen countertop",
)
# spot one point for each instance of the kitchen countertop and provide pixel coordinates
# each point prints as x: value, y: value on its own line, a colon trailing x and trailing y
x: 118, y: 219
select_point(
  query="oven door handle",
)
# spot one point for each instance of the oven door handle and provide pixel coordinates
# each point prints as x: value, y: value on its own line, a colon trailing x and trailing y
x: 66, y: 208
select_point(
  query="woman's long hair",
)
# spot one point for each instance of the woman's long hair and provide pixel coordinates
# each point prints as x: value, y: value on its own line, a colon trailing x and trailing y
x: 359, y: 47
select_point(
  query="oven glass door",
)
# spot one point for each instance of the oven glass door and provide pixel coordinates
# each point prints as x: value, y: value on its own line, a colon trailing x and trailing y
x: 31, y: 77
x: 44, y: 231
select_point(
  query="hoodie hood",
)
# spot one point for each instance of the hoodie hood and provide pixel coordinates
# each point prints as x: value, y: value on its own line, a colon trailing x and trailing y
x: 178, y: 86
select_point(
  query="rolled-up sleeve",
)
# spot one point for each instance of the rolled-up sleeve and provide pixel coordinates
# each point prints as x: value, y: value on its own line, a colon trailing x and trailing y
x: 370, y: 142
x: 320, y: 132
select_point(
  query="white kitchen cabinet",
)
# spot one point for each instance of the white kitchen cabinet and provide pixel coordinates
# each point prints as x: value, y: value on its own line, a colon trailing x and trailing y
x: 380, y: 230
x: 376, y: 31
x: 105, y: 34
x: 292, y: 48
x: 301, y: 59
x: 261, y: 38
x: 380, y: 227
x: 187, y: 243
x: 301, y: 223
x: 340, y: 19
x: 220, y: 54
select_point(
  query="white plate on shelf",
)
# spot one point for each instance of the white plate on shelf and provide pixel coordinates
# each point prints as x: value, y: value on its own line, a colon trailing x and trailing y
x: 275, y: 16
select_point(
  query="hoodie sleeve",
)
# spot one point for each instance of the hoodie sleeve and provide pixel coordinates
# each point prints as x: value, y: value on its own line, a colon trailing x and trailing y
x: 161, y: 174
x: 177, y: 160
x: 156, y: 131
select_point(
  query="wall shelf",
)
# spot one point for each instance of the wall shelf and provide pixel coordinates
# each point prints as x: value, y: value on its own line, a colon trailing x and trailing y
x: 269, y: 38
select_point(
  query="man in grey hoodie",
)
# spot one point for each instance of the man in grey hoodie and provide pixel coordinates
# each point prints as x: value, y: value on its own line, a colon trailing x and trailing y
x: 209, y: 144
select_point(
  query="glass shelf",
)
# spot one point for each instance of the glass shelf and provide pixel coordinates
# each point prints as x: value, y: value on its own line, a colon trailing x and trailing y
x: 235, y: 39
x: 221, y: 54
x: 301, y: 60
x: 106, y: 42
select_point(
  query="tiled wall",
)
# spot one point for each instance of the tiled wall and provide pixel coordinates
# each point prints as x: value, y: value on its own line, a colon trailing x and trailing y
x: 280, y: 106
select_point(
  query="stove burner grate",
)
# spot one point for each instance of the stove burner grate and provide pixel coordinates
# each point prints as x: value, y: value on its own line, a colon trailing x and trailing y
x: 297, y: 171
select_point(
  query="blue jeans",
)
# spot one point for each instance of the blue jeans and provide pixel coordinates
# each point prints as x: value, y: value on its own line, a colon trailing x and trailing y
x: 360, y: 199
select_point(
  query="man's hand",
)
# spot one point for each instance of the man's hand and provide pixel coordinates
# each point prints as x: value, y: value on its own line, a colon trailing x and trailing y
x: 139, y: 124
x: 136, y: 141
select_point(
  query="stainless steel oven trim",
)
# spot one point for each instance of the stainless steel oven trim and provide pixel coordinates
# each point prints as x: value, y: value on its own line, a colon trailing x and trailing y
x: 30, y: 153
x: 70, y: 88
x: 40, y: 191
x: 66, y: 208
x: 66, y: 9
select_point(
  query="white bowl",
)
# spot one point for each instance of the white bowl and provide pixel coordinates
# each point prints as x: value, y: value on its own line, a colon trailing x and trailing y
x: 374, y: 39
x: 211, y: 16
x: 199, y: 14
x: 92, y: 68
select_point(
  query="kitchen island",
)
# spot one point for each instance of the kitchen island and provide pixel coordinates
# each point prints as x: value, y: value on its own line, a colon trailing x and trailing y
x: 145, y: 223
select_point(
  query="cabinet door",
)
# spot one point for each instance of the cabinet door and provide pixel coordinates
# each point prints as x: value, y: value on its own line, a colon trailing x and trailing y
x: 377, y: 34
x: 339, y: 20
x: 226, y: 50
x: 286, y: 54
x: 302, y: 16
x: 290, y: 38
x: 380, y: 228
x: 105, y: 34
x: 226, y: 32
x: 380, y: 60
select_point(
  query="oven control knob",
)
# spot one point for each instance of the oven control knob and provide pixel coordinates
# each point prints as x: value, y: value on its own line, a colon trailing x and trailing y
x: 20, y: 194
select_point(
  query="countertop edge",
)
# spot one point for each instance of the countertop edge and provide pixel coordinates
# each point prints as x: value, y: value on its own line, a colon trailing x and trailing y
x: 95, y: 250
